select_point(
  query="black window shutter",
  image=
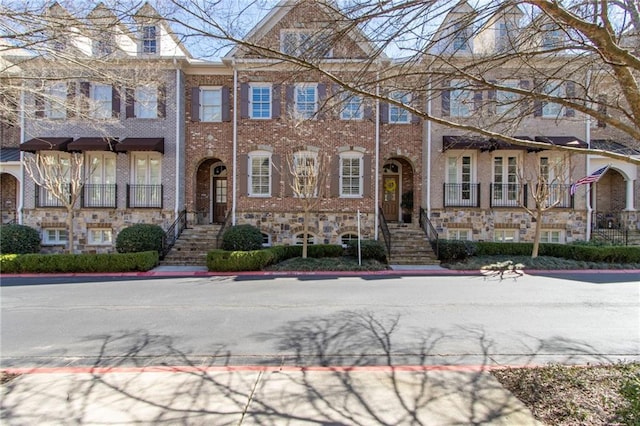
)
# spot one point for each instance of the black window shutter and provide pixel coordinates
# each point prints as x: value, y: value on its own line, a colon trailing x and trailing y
x: 367, y: 172
x: 226, y: 104
x: 244, y: 100
x: 602, y: 109
x: 290, y: 101
x: 368, y: 111
x: 130, y: 99
x: 195, y: 103
x: 276, y: 164
x: 571, y: 94
x: 334, y: 177
x: 85, y: 94
x: 115, y: 102
x: 39, y: 105
x: 416, y: 119
x: 243, y: 175
x: 71, y: 99
x: 384, y: 112
x: 491, y: 97
x: 537, y: 103
x: 162, y: 101
x: 446, y: 102
x: 322, y: 99
x: 275, y: 101
x: 525, y: 104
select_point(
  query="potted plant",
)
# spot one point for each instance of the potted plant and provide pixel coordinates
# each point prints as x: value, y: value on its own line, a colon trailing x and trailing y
x: 407, y: 206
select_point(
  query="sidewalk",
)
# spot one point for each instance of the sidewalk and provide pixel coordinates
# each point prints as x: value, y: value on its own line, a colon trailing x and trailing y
x: 265, y: 396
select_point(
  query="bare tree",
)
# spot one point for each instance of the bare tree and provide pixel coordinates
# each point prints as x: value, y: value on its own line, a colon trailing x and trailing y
x: 548, y: 189
x: 575, y: 59
x: 60, y: 179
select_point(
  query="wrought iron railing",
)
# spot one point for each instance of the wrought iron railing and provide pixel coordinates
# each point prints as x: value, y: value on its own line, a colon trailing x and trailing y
x: 45, y: 198
x: 609, y: 227
x: 429, y: 230
x: 386, y: 235
x: 144, y: 196
x: 560, y: 193
x: 508, y: 194
x: 100, y: 196
x: 173, y: 233
x: 461, y: 194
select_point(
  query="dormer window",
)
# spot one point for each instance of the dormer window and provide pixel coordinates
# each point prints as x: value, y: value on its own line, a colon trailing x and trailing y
x: 103, y: 47
x: 461, y: 38
x: 306, y: 43
x: 552, y: 36
x: 149, y: 40
x: 504, y: 34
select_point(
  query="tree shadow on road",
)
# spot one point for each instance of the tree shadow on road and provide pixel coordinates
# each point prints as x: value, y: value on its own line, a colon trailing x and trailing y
x: 345, y: 369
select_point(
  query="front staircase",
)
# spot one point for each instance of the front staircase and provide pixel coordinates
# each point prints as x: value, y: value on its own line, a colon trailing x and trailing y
x: 410, y: 246
x: 192, y: 246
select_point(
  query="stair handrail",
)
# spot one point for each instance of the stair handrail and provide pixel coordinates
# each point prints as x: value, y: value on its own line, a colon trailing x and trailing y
x: 227, y: 221
x: 429, y: 230
x: 173, y: 233
x: 613, y: 231
x: 386, y: 234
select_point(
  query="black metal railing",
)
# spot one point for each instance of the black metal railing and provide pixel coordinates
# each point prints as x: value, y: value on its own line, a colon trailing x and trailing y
x: 609, y: 227
x: 386, y: 235
x: 560, y: 194
x: 173, y: 233
x: 100, y: 196
x: 144, y: 196
x: 45, y: 198
x: 429, y: 230
x: 461, y: 194
x: 508, y: 194
x: 225, y: 224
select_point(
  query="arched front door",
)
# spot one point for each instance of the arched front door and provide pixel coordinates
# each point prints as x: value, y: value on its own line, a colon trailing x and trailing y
x: 391, y: 181
x: 218, y: 193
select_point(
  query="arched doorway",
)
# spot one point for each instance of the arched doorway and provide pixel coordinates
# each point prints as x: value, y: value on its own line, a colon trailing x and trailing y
x: 609, y: 199
x: 8, y: 197
x: 211, y: 192
x: 397, y: 190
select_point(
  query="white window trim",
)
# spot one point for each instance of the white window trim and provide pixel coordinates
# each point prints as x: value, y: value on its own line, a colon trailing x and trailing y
x: 347, y: 98
x: 251, y: 156
x: 267, y: 86
x: 202, y: 105
x: 464, y: 99
x: 307, y: 154
x: 56, y: 101
x: 101, y: 241
x: 550, y: 109
x: 312, y: 239
x: 57, y: 240
x: 269, y: 242
x: 342, y: 236
x: 507, y: 102
x: 101, y: 108
x: 394, y: 96
x: 458, y: 156
x: 148, y: 156
x: 499, y: 235
x: 156, y: 38
x: 456, y: 234
x: 140, y: 106
x: 352, y: 155
x: 545, y: 235
x: 303, y: 86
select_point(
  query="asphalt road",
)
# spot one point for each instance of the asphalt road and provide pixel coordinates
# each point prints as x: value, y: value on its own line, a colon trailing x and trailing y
x: 311, y: 320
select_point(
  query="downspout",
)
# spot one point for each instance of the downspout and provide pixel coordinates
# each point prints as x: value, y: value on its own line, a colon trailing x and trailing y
x: 377, y: 162
x: 429, y: 151
x: 22, y: 172
x: 179, y: 192
x: 235, y: 143
x: 587, y: 134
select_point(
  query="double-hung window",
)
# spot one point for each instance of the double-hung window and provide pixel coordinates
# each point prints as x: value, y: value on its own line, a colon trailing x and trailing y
x: 351, y: 175
x: 149, y: 39
x: 56, y: 101
x: 100, y: 236
x: 306, y: 100
x: 506, y: 191
x: 55, y: 236
x: 352, y: 107
x: 101, y: 100
x: 306, y: 174
x: 398, y: 114
x: 211, y: 104
x: 461, y: 37
x: 146, y: 101
x: 146, y: 189
x: 100, y: 190
x: 461, y: 99
x: 551, y: 109
x: 507, y: 101
x: 260, y: 174
x: 260, y: 101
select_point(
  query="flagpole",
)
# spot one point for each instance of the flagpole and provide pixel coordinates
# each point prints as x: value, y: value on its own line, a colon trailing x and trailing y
x: 589, y: 213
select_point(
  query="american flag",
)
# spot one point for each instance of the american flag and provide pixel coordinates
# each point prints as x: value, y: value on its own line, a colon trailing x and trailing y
x: 593, y: 177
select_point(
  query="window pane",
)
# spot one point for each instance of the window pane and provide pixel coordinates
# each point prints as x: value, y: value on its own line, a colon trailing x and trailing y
x: 261, y: 102
x: 146, y: 102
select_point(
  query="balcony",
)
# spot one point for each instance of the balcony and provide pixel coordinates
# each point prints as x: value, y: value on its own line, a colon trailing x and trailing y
x: 508, y: 195
x: 99, y: 196
x: 461, y: 195
x: 144, y: 196
x: 559, y: 193
x: 44, y: 197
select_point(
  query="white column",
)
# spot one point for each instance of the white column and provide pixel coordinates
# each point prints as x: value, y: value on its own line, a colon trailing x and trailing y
x: 630, y: 207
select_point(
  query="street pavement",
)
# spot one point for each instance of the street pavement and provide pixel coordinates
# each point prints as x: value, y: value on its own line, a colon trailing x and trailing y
x: 338, y: 385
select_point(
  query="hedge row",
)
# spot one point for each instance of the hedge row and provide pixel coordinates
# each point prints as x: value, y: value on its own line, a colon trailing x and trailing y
x: 116, y: 262
x: 454, y: 250
x: 255, y: 260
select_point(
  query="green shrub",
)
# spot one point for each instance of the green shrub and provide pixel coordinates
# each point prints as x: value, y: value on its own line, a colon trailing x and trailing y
x: 369, y: 249
x: 140, y: 237
x: 455, y: 250
x: 51, y: 263
x: 325, y: 250
x: 234, y: 261
x: 488, y: 248
x: 629, y: 412
x: 19, y: 239
x: 242, y: 237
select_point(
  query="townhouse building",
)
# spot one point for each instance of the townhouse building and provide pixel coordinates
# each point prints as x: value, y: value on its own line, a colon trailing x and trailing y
x: 216, y: 143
